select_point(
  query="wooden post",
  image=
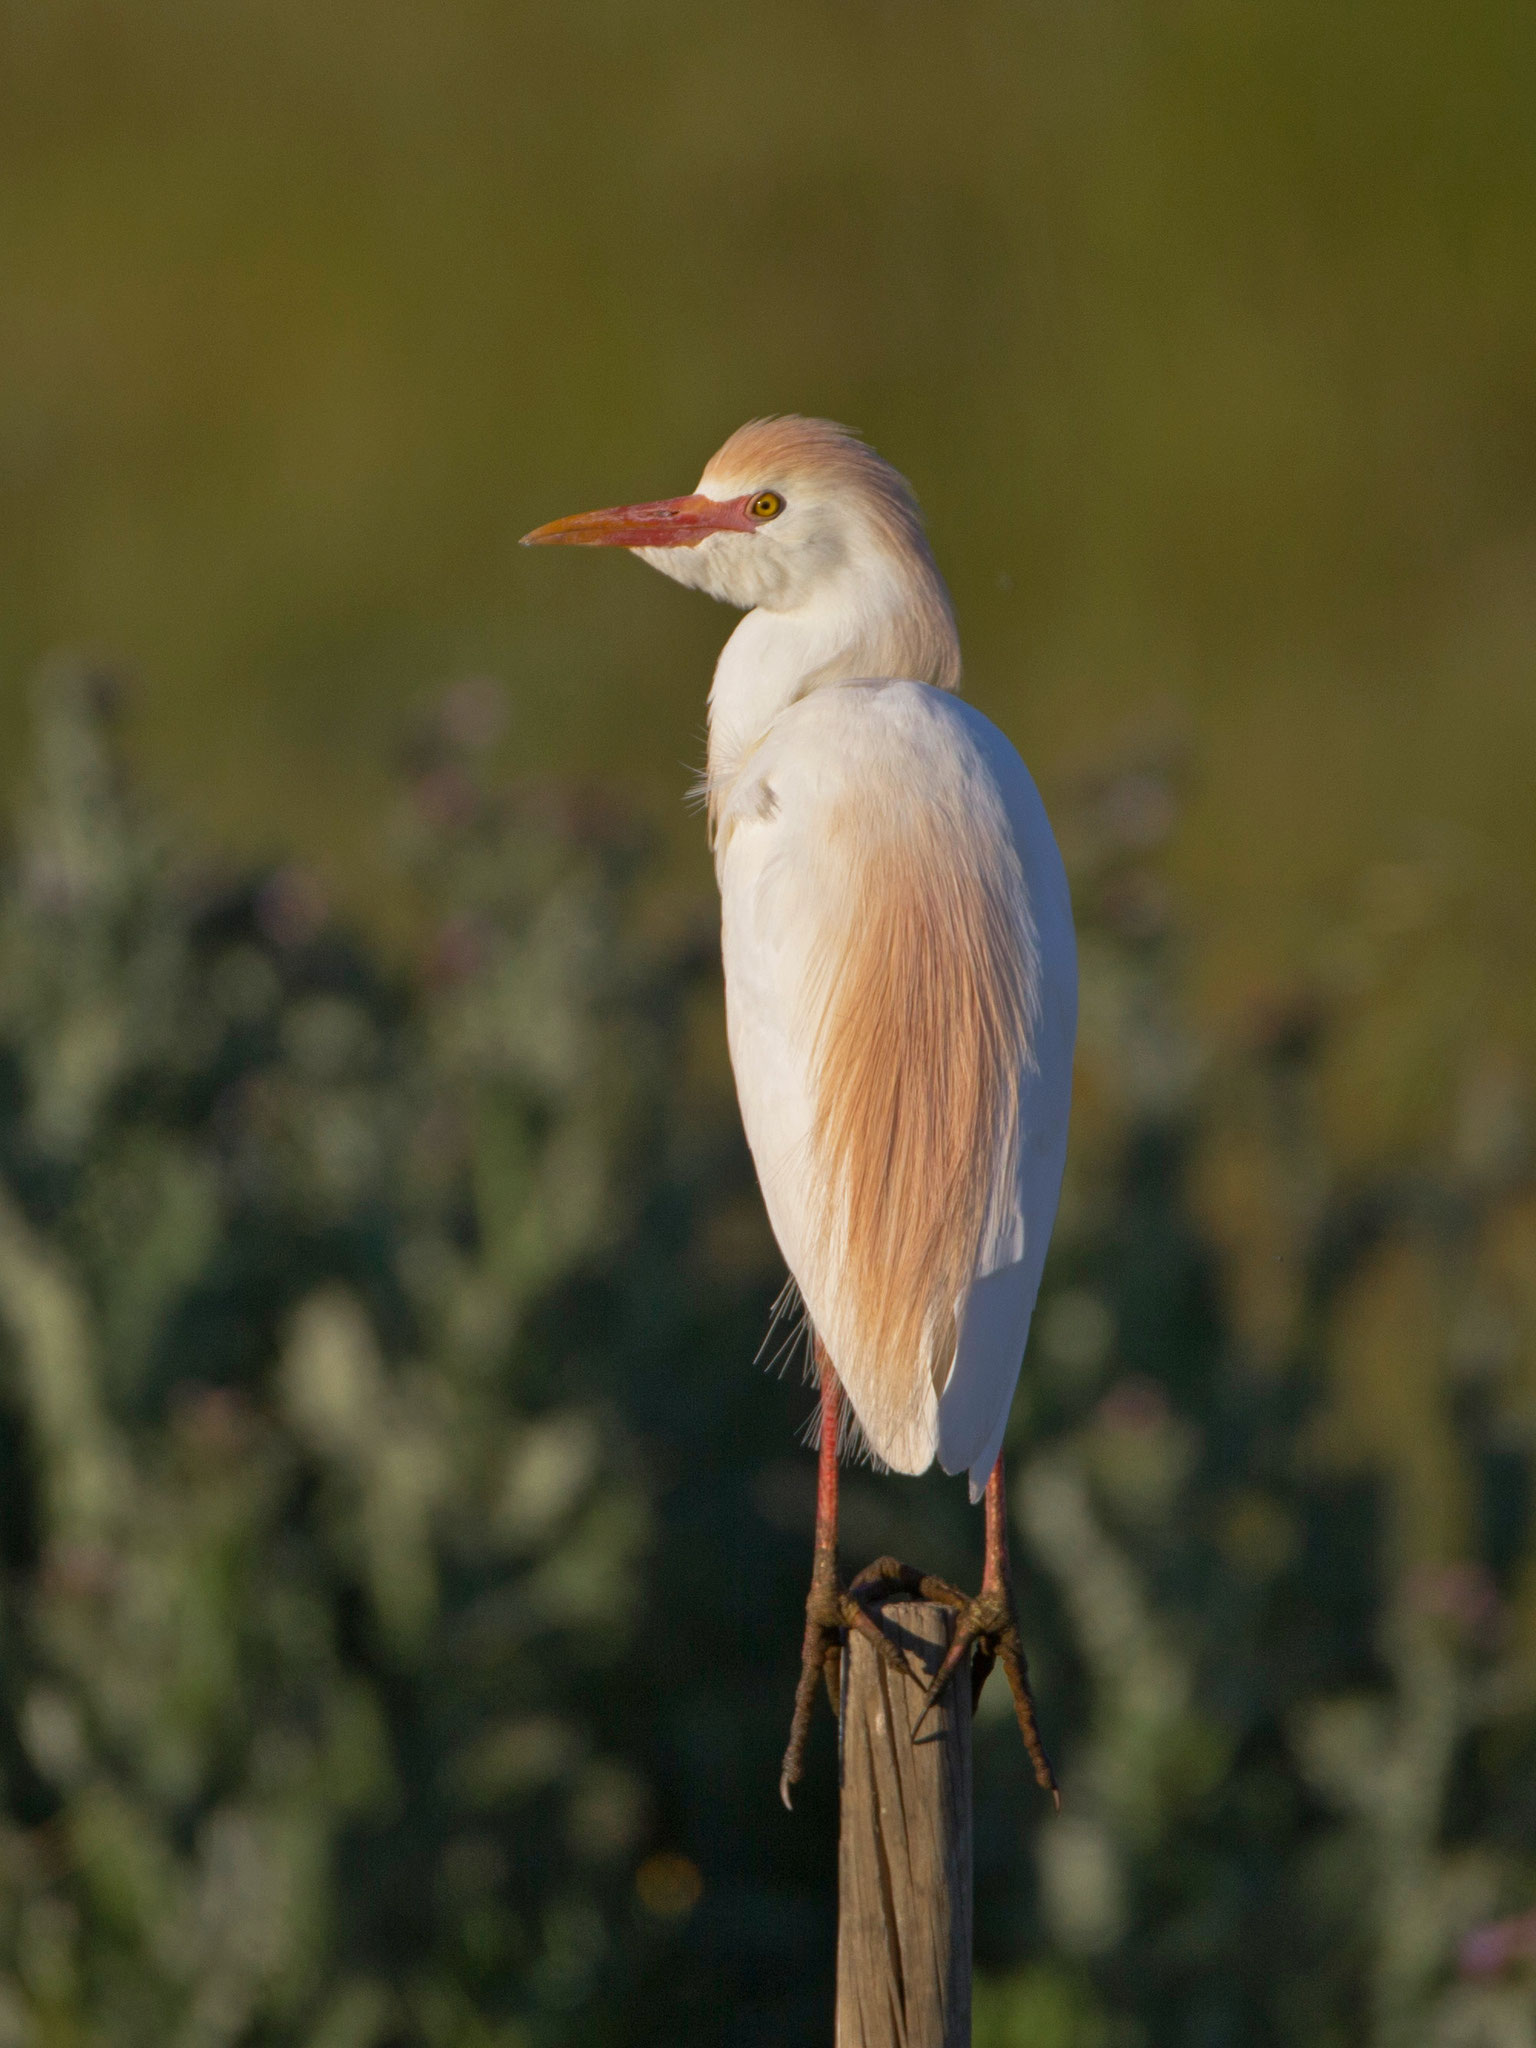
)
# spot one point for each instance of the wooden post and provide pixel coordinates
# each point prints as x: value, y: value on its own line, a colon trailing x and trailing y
x: 904, y: 1851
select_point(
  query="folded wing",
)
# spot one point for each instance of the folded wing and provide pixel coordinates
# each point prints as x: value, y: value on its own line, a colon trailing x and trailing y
x: 901, y: 996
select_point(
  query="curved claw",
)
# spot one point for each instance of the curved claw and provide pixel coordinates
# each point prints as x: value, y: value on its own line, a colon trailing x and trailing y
x: 953, y: 1656
x: 827, y: 1613
x: 1010, y: 1651
x: 988, y: 1631
x: 817, y: 1652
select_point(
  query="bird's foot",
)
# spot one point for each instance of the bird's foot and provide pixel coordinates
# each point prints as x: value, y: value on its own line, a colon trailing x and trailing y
x: 830, y: 1612
x: 986, y: 1628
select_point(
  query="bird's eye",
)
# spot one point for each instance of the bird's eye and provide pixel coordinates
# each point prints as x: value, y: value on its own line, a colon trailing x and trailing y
x: 766, y: 505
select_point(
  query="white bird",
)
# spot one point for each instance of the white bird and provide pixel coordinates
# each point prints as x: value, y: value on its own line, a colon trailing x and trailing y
x: 900, y: 981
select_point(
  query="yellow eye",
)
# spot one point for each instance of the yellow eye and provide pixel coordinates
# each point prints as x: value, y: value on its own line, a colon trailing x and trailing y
x: 766, y: 505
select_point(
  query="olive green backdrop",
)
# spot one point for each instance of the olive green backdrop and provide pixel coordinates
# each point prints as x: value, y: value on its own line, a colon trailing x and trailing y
x: 1206, y: 331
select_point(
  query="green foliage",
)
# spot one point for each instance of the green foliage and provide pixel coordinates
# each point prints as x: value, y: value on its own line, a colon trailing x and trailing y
x: 1275, y: 1480
x: 403, y: 1559
x: 316, y: 1589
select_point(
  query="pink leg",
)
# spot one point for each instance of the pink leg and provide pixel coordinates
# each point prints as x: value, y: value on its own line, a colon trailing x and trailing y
x: 986, y: 1628
x: 819, y: 1649
x: 990, y: 1624
x: 997, y: 1568
x: 829, y: 1612
x: 997, y: 1575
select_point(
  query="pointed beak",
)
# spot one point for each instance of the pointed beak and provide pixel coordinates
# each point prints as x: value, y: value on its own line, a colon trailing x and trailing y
x: 664, y: 523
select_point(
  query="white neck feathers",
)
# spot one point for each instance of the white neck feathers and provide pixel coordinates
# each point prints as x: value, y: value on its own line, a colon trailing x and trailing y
x: 882, y: 622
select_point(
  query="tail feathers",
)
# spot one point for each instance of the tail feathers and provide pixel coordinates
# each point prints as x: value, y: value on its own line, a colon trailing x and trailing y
x: 963, y: 1426
x: 894, y: 1438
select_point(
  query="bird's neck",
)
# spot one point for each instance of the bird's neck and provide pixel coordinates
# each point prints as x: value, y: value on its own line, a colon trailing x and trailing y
x: 871, y: 631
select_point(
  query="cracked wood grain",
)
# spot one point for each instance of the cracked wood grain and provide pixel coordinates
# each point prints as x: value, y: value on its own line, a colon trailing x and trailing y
x: 904, y: 1853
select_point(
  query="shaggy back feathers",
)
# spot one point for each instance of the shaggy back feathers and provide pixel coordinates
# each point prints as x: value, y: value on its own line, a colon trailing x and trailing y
x: 925, y: 989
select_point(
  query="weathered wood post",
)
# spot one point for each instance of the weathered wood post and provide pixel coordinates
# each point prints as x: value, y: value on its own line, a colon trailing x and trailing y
x: 904, y: 1850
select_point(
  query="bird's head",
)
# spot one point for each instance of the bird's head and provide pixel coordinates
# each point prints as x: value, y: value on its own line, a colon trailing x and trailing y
x: 788, y: 511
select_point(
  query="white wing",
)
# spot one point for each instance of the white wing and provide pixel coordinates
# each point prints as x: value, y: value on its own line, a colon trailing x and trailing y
x: 901, y: 995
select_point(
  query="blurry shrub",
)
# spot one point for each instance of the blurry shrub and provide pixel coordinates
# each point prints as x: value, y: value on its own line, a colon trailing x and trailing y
x: 319, y: 1590
x: 1275, y: 1477
x: 403, y: 1561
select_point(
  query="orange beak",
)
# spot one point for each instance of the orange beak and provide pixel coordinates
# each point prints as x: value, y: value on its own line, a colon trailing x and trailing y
x: 664, y: 523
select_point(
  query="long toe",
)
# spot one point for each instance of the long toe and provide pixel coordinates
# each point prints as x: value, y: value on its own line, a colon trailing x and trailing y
x: 967, y: 1630
x: 1010, y: 1654
x: 987, y: 1631
x: 819, y: 1650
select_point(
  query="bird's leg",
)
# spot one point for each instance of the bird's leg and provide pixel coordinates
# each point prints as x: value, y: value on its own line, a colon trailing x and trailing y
x: 819, y: 1651
x: 829, y: 1612
x: 988, y: 1626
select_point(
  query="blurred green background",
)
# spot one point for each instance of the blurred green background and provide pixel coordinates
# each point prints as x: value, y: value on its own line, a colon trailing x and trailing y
x: 401, y: 1554
x: 1205, y: 331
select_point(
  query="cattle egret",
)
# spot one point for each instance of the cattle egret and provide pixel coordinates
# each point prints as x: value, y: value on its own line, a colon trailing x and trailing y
x: 900, y: 982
